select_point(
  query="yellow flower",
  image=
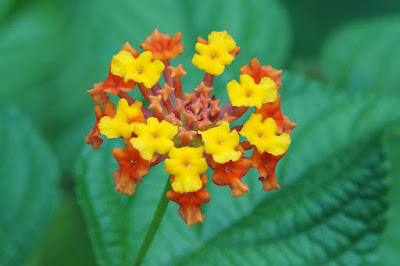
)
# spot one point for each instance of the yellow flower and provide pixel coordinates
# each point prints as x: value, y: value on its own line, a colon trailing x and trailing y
x: 124, y: 122
x: 262, y: 135
x: 186, y: 164
x: 141, y: 69
x: 213, y: 57
x: 249, y: 94
x: 220, y: 142
x: 154, y: 137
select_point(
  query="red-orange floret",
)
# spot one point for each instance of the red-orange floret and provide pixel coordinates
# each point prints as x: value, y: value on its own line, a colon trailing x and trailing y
x: 258, y: 72
x: 266, y: 164
x: 272, y: 110
x: 132, y: 168
x: 162, y: 45
x: 93, y: 136
x: 230, y: 174
x: 190, y: 202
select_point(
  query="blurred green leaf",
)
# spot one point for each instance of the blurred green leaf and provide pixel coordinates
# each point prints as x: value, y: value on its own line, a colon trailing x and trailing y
x: 364, y: 56
x: 5, y: 6
x: 391, y: 236
x: 331, y: 207
x: 30, y: 51
x: 66, y: 235
x: 28, y: 187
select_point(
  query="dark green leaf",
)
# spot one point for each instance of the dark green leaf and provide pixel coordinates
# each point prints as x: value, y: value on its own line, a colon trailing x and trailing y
x: 391, y: 236
x: 365, y: 56
x: 330, y: 209
x: 28, y: 187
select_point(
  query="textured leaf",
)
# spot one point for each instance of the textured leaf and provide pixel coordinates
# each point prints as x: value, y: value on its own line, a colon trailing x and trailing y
x: 391, y: 236
x: 330, y: 209
x: 28, y: 187
x: 365, y: 56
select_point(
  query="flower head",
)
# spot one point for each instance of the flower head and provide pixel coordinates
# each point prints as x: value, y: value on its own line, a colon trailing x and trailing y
x: 124, y: 121
x: 141, y: 69
x: 190, y: 131
x: 250, y: 94
x: 186, y: 164
x: 262, y: 135
x: 154, y: 137
x: 220, y: 142
x: 215, y: 54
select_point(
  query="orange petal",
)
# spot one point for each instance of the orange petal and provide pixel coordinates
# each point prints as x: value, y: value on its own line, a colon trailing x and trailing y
x: 230, y: 174
x: 273, y: 110
x: 266, y: 164
x: 132, y: 168
x: 190, y: 202
x: 93, y: 136
x: 258, y: 72
x: 163, y: 46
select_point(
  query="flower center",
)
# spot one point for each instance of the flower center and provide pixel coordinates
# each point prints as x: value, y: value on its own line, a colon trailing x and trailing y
x: 229, y: 169
x: 133, y: 163
x: 139, y: 70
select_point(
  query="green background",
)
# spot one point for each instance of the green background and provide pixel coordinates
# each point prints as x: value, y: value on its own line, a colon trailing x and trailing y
x: 339, y: 200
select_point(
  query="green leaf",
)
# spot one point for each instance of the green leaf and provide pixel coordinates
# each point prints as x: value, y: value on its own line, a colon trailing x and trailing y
x: 28, y: 187
x: 30, y: 48
x: 391, y: 236
x: 66, y: 235
x: 330, y: 209
x: 364, y: 56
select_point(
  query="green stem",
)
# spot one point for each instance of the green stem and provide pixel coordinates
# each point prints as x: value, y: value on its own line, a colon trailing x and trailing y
x: 155, y: 224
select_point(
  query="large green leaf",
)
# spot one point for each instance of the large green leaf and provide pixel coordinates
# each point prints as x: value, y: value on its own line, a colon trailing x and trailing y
x: 331, y: 207
x: 28, y: 187
x: 391, y: 236
x: 365, y: 56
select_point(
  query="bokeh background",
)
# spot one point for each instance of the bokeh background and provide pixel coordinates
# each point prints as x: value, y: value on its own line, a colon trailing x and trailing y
x: 339, y: 200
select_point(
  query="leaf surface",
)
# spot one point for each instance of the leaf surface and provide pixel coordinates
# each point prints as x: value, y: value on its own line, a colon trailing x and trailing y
x: 28, y: 186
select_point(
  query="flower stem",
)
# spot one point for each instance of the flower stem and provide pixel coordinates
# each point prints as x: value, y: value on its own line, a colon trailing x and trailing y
x: 155, y: 224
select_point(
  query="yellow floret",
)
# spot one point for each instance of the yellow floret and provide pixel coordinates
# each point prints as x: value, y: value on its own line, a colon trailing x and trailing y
x: 213, y: 58
x: 124, y: 122
x: 249, y: 94
x: 186, y: 164
x: 141, y: 69
x: 154, y: 137
x: 220, y: 142
x: 262, y: 135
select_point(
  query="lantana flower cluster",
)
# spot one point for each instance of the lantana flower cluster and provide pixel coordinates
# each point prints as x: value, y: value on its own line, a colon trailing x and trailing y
x: 191, y: 132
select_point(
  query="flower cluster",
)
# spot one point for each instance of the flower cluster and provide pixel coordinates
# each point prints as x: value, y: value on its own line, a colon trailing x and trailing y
x: 190, y: 131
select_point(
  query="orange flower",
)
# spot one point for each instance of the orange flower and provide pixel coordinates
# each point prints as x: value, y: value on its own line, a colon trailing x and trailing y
x: 93, y: 136
x: 190, y: 202
x: 258, y: 72
x: 266, y: 164
x: 230, y: 174
x: 132, y: 168
x: 163, y: 46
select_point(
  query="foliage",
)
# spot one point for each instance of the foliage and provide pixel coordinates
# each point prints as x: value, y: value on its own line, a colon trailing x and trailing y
x: 28, y: 186
x: 339, y: 181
